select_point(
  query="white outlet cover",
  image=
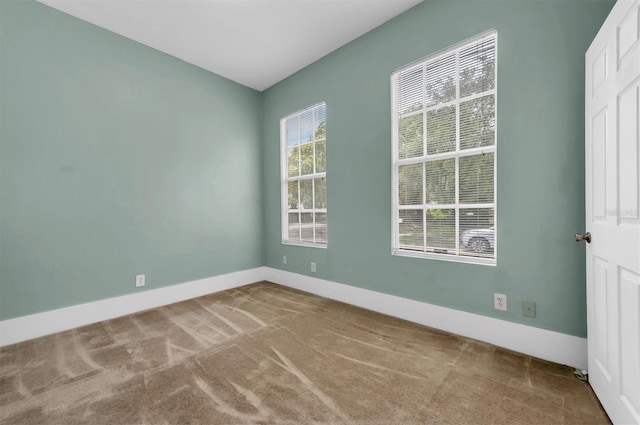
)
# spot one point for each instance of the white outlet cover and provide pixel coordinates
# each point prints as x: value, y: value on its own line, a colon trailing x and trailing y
x: 500, y: 302
x: 139, y: 280
x: 313, y: 267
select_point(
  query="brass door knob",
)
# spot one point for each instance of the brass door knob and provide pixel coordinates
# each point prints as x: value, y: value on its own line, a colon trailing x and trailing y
x: 583, y: 237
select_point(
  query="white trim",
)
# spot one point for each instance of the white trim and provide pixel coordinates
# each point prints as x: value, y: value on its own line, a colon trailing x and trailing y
x: 285, y: 179
x: 544, y: 344
x: 446, y: 254
x: 553, y: 346
x: 40, y: 324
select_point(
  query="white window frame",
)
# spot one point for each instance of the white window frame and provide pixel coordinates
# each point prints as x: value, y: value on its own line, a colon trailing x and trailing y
x: 457, y: 154
x: 285, y: 179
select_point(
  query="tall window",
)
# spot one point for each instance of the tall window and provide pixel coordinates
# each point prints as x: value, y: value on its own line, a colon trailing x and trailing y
x: 304, y: 177
x: 444, y: 154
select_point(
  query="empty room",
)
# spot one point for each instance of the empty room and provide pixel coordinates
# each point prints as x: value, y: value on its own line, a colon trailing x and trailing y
x: 319, y: 212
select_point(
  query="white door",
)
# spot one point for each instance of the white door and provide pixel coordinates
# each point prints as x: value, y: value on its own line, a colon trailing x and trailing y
x: 613, y: 212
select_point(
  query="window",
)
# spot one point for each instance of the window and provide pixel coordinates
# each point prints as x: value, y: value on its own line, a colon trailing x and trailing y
x: 444, y: 154
x: 304, y: 177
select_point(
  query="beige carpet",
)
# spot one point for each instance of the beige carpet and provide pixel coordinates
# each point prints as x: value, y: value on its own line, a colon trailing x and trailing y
x: 266, y: 354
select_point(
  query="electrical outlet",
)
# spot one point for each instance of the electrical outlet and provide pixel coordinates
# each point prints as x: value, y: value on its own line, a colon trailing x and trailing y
x: 500, y: 302
x: 139, y: 280
x: 313, y: 267
x: 284, y: 259
x: 529, y: 308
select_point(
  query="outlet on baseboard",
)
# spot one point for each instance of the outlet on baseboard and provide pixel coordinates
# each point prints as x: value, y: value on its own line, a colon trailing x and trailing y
x: 500, y: 302
x: 139, y: 280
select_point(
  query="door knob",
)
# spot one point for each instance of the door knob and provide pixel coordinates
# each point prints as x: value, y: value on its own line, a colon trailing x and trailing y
x: 583, y: 237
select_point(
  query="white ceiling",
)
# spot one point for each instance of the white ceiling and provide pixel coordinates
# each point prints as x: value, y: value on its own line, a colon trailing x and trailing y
x: 253, y: 42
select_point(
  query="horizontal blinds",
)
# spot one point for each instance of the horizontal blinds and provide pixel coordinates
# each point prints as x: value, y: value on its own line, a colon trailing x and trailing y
x: 444, y: 151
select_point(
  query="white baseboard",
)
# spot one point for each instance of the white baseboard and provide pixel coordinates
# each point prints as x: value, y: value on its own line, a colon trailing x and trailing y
x: 548, y: 345
x: 40, y: 324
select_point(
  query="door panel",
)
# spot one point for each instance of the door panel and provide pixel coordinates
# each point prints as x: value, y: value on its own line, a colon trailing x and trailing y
x: 612, y: 158
x: 630, y: 338
x: 628, y: 171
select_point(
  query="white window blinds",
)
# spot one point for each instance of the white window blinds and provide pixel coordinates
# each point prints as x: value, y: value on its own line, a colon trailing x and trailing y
x: 304, y: 186
x: 444, y: 154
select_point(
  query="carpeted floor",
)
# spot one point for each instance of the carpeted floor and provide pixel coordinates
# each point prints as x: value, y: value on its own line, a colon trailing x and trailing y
x: 266, y: 354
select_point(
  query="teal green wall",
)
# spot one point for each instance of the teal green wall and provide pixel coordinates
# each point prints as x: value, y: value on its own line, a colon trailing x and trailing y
x: 540, y: 159
x: 115, y: 160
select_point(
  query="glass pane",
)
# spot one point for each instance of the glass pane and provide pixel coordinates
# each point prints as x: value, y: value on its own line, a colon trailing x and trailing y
x: 410, y: 137
x: 291, y: 127
x: 440, y: 179
x: 410, y: 190
x: 321, y: 157
x: 293, y: 161
x: 477, y: 122
x: 306, y: 227
x: 441, y: 130
x: 477, y: 232
x: 292, y: 195
x: 441, y: 80
x: 306, y: 194
x: 320, y: 120
x: 306, y: 126
x: 476, y: 179
x: 320, y: 198
x: 411, y: 230
x: 441, y: 229
x: 294, y: 227
x: 321, y: 228
x: 477, y: 67
x: 409, y: 86
x: 306, y: 159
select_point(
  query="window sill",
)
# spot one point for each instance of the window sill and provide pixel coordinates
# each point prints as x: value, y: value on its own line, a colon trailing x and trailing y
x: 304, y: 244
x: 445, y: 257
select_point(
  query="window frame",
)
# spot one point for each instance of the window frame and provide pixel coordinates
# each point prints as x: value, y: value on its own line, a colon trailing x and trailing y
x: 457, y: 154
x: 285, y: 179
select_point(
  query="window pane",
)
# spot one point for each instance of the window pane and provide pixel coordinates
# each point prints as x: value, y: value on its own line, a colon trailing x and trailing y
x: 306, y: 159
x: 292, y: 195
x: 320, y: 119
x: 321, y: 228
x: 441, y: 80
x: 294, y: 227
x: 293, y: 161
x: 477, y: 122
x: 410, y: 89
x: 410, y: 140
x: 440, y: 179
x: 292, y: 131
x: 441, y: 229
x: 320, y: 193
x: 441, y: 130
x: 477, y: 67
x: 306, y: 126
x: 477, y: 232
x: 306, y: 227
x: 321, y: 157
x: 476, y: 179
x: 410, y: 190
x: 411, y: 230
x: 306, y: 194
